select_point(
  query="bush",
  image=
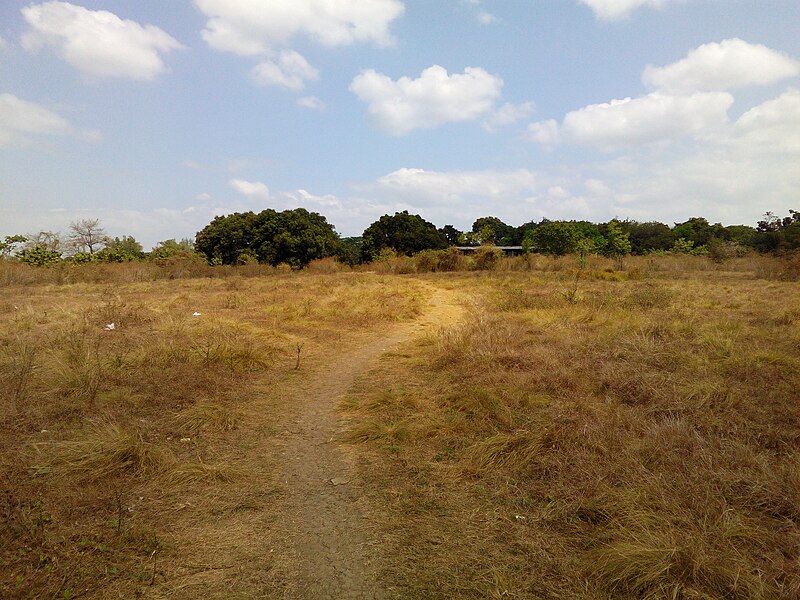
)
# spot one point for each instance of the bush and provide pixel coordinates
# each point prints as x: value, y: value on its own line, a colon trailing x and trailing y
x: 487, y: 258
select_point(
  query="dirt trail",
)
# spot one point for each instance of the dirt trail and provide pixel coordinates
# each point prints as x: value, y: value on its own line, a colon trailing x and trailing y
x: 302, y: 535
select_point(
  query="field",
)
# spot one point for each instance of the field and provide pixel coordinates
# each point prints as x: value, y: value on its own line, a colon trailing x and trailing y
x: 531, y: 431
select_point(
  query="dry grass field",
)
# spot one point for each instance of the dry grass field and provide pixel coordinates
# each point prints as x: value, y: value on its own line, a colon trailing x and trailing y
x: 529, y: 432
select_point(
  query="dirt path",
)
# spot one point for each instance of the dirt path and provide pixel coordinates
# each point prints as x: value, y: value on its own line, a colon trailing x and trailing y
x: 297, y: 530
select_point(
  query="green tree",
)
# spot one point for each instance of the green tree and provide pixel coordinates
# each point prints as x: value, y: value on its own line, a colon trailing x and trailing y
x: 39, y: 256
x: 491, y: 230
x: 552, y: 237
x: 403, y: 233
x: 649, y: 236
x: 451, y: 234
x: 124, y: 249
x: 295, y: 237
x: 617, y: 243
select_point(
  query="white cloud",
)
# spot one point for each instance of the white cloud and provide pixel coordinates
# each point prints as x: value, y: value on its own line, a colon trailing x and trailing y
x: 722, y: 66
x: 771, y: 127
x: 254, y: 27
x: 251, y: 189
x: 651, y: 118
x: 311, y: 103
x: 3, y: 44
x: 203, y: 197
x: 613, y: 10
x: 290, y: 71
x: 508, y: 114
x: 98, y: 43
x: 545, y: 133
x: 434, y: 98
x: 20, y: 119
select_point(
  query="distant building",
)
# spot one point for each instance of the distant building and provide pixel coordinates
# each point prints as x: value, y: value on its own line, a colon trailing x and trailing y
x: 507, y: 250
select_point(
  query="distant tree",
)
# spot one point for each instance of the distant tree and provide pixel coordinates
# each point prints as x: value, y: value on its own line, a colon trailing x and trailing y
x: 349, y: 250
x: 553, y: 237
x: 124, y: 249
x: 9, y: 243
x: 617, y: 243
x: 403, y: 233
x: 744, y: 235
x: 451, y: 234
x: 39, y: 256
x: 491, y: 230
x: 86, y: 235
x: 698, y: 231
x: 649, y: 236
x: 295, y: 237
x: 51, y: 240
x: 774, y: 233
x: 171, y: 247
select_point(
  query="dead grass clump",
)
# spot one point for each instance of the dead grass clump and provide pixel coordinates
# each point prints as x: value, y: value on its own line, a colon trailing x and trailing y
x: 515, y: 450
x: 649, y: 297
x: 189, y: 473
x: 107, y: 449
x: 663, y: 564
x: 207, y: 416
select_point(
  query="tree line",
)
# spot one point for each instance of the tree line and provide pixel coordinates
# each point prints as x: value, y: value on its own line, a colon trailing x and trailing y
x: 296, y: 237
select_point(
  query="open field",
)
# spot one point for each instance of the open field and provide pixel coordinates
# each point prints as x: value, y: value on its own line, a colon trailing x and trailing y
x: 530, y: 432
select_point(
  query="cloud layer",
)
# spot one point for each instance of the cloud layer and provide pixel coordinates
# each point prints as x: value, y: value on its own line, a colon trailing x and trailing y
x: 432, y: 99
x: 98, y: 43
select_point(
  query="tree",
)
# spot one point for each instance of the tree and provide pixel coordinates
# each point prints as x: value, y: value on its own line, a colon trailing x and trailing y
x: 617, y: 243
x: 124, y: 249
x: 451, y: 234
x: 698, y: 230
x: 491, y: 230
x: 39, y: 256
x: 169, y: 248
x: 648, y: 236
x: 295, y: 237
x: 86, y: 235
x: 51, y: 240
x: 403, y: 233
x: 552, y: 237
x: 7, y: 245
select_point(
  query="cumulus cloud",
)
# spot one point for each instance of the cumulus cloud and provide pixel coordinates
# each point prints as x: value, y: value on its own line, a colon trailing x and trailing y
x: 613, y: 10
x: 434, y: 98
x: 720, y: 66
x: 254, y: 27
x: 508, y: 114
x: 651, y: 118
x: 20, y: 119
x: 3, y: 44
x: 290, y: 71
x: 311, y: 103
x: 98, y: 43
x: 771, y: 127
x: 251, y: 189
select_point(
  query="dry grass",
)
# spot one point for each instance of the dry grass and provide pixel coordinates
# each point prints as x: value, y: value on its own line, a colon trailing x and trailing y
x: 114, y: 441
x: 639, y: 440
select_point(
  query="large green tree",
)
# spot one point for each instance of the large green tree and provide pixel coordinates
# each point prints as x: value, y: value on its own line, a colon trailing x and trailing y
x: 295, y: 237
x: 403, y: 233
x: 491, y: 230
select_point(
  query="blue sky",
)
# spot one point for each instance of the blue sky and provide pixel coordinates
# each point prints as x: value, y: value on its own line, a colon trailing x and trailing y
x: 156, y: 115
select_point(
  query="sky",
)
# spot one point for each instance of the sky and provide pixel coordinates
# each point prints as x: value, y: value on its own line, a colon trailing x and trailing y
x: 154, y: 116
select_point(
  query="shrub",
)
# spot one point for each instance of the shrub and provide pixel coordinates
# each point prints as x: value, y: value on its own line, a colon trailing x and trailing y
x: 487, y: 258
